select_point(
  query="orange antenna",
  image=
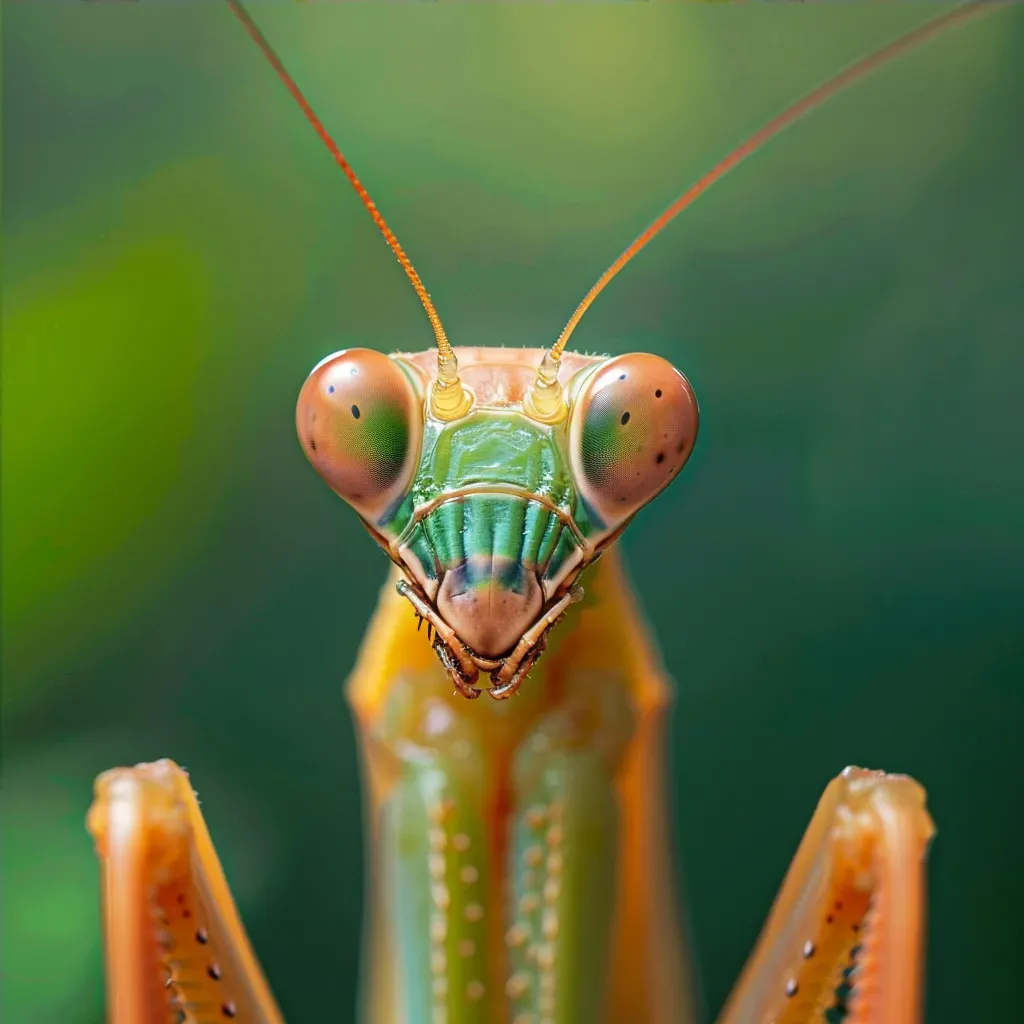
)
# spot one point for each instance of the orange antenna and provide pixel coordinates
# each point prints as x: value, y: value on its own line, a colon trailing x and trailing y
x: 546, y: 397
x: 448, y: 398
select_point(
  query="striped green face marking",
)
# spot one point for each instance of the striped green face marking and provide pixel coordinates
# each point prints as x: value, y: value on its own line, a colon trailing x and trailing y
x: 503, y: 531
x: 493, y: 516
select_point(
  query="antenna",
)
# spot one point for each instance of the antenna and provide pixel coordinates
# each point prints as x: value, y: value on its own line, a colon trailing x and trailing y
x: 545, y: 399
x: 448, y: 398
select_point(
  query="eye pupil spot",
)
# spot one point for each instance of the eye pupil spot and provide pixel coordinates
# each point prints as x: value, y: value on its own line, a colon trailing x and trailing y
x: 622, y: 376
x: 355, y: 411
x: 661, y: 458
x: 625, y: 418
x: 330, y: 389
x: 657, y: 394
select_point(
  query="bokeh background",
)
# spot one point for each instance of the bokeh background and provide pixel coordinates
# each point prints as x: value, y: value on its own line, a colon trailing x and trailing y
x: 836, y: 579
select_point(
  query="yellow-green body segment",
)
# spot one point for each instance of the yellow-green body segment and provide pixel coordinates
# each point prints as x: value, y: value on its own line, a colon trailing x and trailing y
x: 519, y: 855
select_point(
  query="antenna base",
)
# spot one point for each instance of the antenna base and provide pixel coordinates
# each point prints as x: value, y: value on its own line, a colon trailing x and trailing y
x: 449, y: 400
x: 545, y: 401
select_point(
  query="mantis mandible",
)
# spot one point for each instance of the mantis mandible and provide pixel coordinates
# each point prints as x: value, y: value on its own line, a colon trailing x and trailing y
x: 520, y: 865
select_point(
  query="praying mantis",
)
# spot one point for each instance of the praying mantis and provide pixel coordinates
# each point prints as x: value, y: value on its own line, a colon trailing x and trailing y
x: 520, y: 865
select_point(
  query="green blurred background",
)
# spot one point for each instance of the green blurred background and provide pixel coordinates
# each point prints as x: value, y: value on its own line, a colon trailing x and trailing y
x: 837, y: 578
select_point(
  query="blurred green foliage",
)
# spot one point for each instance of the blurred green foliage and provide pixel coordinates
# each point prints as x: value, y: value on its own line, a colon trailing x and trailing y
x: 838, y: 577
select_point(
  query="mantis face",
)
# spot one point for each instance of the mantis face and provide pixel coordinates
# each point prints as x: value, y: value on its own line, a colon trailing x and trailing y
x: 493, y: 514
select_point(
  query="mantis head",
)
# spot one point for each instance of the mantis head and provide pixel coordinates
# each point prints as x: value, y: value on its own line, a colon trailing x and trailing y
x: 493, y: 514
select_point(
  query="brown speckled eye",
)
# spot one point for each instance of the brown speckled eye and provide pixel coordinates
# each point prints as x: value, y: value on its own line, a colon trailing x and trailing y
x: 360, y: 421
x: 633, y: 425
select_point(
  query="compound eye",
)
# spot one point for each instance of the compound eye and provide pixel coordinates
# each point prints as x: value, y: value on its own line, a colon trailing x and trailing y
x: 632, y: 428
x: 360, y: 422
